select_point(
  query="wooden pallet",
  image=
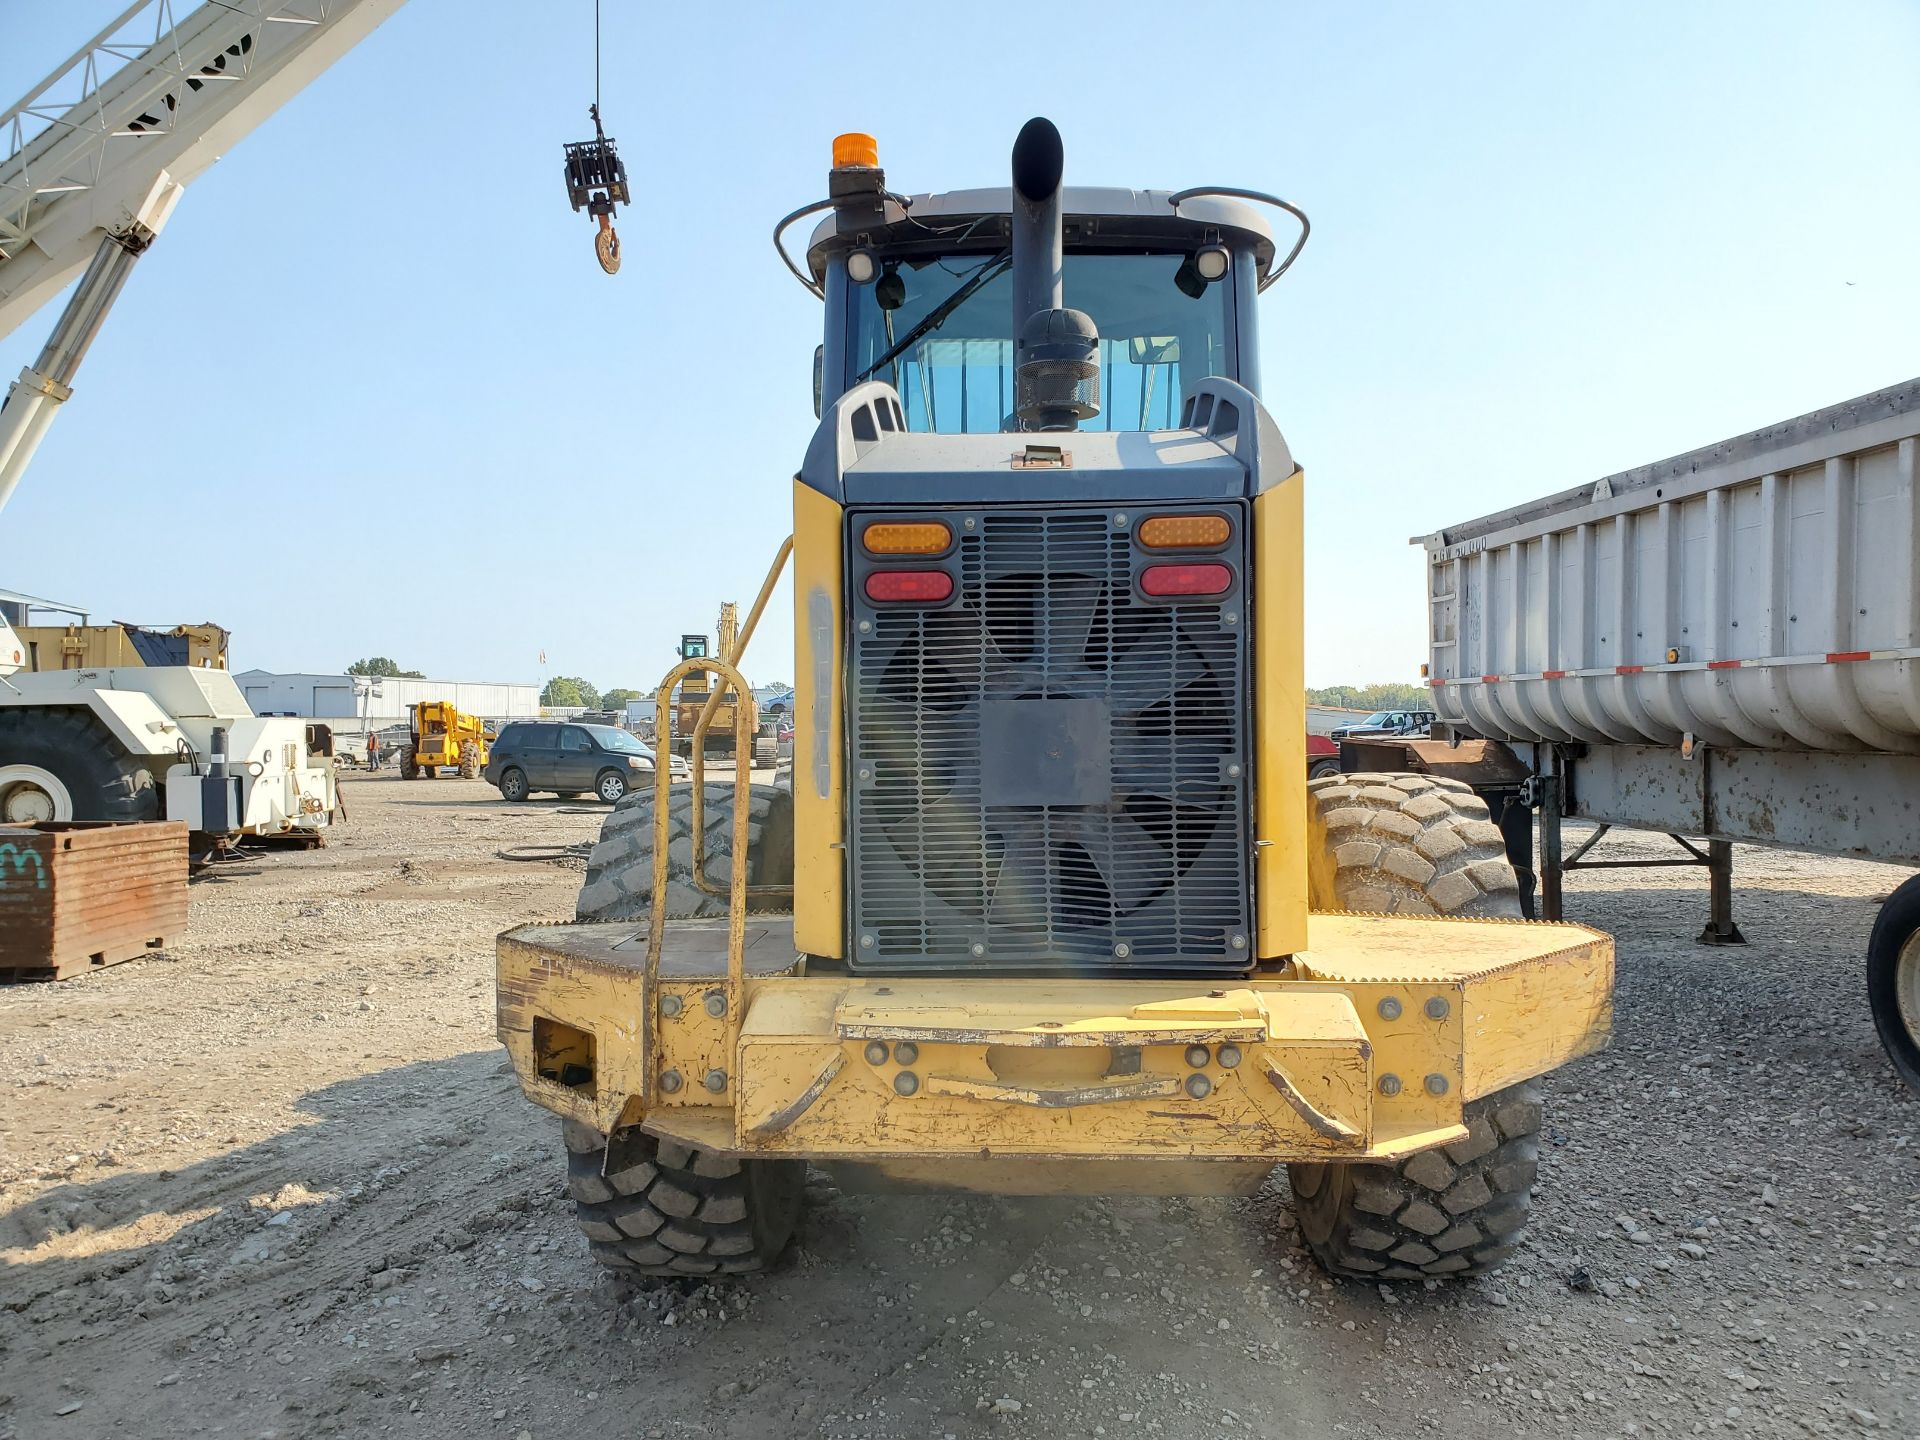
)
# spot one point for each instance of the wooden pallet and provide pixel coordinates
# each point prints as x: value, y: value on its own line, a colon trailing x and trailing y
x: 78, y: 896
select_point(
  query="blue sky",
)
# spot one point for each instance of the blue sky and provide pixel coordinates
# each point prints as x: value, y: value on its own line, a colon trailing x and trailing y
x: 371, y: 394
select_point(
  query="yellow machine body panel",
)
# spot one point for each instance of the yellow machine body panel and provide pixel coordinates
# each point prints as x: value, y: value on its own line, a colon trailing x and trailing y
x: 99, y: 647
x: 1280, y: 719
x: 819, y: 799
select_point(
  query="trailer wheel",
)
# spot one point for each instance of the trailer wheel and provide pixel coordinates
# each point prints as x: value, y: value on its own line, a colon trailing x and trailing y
x: 619, y: 883
x: 1893, y: 979
x: 650, y: 1206
x: 61, y: 763
x: 1323, y: 769
x: 1406, y: 844
x: 469, y: 761
x: 1458, y: 1210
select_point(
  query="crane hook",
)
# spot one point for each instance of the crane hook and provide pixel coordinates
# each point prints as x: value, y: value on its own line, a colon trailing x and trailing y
x: 607, y: 245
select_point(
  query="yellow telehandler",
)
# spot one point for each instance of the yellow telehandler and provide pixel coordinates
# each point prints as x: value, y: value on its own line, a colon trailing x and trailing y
x: 1050, y: 906
x: 443, y: 736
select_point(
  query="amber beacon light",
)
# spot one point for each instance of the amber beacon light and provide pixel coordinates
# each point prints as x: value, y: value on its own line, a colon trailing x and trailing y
x: 855, y: 150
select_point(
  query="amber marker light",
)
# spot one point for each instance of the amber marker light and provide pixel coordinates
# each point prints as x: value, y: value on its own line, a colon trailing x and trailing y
x: 1184, y: 532
x: 855, y: 150
x: 911, y: 587
x: 1186, y: 579
x: 897, y: 537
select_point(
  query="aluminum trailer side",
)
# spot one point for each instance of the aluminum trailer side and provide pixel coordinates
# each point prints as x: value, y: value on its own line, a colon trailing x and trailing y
x: 1721, y: 645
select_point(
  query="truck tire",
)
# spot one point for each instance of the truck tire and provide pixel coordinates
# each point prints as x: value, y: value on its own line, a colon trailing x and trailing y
x: 619, y: 883
x: 469, y: 761
x: 1323, y: 769
x: 650, y: 1206
x: 80, y: 756
x: 1413, y: 844
x: 1893, y: 978
x: 1458, y: 1210
x: 409, y: 765
x: 1406, y: 844
x: 513, y: 784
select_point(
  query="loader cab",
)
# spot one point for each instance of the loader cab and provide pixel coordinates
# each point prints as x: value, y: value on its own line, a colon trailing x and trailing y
x: 920, y: 295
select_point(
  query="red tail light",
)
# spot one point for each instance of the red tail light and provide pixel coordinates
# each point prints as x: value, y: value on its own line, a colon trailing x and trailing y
x: 925, y: 587
x: 1186, y: 579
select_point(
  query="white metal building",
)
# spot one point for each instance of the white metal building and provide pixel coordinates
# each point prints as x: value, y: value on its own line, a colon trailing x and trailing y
x: 333, y: 697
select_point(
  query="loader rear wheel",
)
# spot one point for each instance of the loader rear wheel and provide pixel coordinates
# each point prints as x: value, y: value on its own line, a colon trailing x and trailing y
x: 469, y: 761
x: 56, y: 759
x: 650, y: 1206
x: 1406, y: 844
x: 1455, y: 1211
x: 409, y: 765
x: 619, y: 883
x: 1893, y: 978
x: 1413, y: 844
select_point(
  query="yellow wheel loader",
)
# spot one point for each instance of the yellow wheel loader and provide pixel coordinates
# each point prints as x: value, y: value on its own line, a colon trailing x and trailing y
x: 444, y: 737
x: 1050, y: 906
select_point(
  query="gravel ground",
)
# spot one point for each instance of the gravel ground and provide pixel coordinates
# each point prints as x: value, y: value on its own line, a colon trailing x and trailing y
x: 280, y: 1182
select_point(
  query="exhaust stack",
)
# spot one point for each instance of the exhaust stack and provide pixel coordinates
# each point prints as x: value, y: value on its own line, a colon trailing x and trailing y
x: 1056, y: 350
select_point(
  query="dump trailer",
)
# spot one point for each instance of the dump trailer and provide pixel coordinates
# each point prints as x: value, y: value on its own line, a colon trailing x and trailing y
x: 443, y: 736
x: 1723, y: 646
x: 1051, y: 905
x: 157, y: 742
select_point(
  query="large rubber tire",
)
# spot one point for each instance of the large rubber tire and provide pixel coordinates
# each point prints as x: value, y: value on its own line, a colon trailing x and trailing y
x: 469, y: 761
x: 1413, y: 844
x: 1455, y: 1211
x: 657, y: 1207
x: 103, y: 781
x: 1323, y: 769
x: 1893, y: 978
x: 409, y: 765
x: 619, y: 883
x: 1406, y: 844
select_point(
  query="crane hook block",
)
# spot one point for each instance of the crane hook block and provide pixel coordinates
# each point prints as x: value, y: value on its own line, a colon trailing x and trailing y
x: 597, y: 183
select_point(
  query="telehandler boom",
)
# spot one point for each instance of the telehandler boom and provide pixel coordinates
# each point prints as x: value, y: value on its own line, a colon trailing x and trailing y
x: 1050, y: 906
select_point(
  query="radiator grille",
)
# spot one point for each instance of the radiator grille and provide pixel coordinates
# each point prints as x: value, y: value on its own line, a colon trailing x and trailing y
x: 977, y: 844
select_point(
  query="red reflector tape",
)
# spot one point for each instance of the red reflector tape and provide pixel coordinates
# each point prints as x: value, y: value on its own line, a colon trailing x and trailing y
x: 1628, y: 669
x: 895, y: 586
x: 1489, y: 679
x: 1725, y: 664
x: 1553, y: 674
x: 1834, y: 657
x: 1186, y: 579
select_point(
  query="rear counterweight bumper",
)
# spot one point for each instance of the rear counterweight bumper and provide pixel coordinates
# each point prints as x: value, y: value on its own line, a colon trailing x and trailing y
x: 1366, y: 1046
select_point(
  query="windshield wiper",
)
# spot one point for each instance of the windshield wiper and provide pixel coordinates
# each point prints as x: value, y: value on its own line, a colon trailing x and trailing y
x: 940, y: 314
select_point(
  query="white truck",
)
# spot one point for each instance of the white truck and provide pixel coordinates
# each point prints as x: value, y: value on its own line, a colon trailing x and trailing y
x: 155, y: 743
x: 1725, y: 644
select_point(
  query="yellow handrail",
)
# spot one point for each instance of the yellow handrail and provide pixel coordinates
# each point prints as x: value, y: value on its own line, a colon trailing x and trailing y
x: 736, y: 986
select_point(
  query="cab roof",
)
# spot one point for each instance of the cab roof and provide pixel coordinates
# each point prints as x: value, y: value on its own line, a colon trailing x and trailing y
x: 1092, y: 214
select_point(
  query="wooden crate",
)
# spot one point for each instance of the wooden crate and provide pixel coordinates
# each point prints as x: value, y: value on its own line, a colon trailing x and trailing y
x: 77, y: 895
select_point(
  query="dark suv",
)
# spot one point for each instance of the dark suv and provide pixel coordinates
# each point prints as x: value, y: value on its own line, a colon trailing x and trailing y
x: 569, y: 760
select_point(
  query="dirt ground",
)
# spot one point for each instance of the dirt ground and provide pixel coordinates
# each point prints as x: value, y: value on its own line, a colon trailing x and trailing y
x: 280, y: 1182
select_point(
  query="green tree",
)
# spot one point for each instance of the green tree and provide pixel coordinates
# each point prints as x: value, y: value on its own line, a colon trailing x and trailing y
x: 617, y: 698
x: 380, y: 665
x: 566, y: 690
x: 1387, y: 695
